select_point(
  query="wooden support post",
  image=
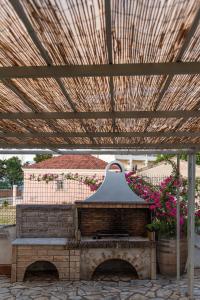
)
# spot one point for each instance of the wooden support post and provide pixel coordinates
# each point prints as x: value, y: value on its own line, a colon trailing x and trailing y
x: 178, y: 228
x: 191, y: 212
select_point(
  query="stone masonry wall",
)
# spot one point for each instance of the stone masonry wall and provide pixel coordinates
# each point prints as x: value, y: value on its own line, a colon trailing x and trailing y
x: 43, y: 221
x: 142, y: 259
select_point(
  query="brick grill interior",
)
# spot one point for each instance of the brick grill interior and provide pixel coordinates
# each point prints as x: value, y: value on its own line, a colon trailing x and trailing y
x: 116, y: 221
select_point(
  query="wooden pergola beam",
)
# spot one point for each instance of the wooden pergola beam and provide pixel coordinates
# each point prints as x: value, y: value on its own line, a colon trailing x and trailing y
x: 127, y: 146
x: 186, y: 114
x: 95, y: 151
x: 107, y: 70
x: 45, y: 55
x: 26, y: 101
x: 182, y: 50
x: 168, y: 134
x: 108, y: 22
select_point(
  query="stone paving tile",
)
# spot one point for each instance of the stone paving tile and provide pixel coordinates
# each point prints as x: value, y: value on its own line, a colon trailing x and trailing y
x: 161, y: 289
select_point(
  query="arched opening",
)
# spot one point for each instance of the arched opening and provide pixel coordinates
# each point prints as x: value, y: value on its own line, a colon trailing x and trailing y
x: 114, y: 270
x: 41, y: 270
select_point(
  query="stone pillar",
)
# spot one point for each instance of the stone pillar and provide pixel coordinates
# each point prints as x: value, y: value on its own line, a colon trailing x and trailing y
x: 153, y: 262
x: 14, y: 265
x: 14, y: 194
x: 146, y: 162
x: 131, y: 163
x: 74, y: 265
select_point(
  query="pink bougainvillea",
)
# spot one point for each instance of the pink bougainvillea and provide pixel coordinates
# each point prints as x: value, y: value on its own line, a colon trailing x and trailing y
x: 163, y: 201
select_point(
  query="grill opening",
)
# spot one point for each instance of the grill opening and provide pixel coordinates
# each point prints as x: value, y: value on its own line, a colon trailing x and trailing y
x: 114, y: 270
x: 41, y: 270
x: 110, y: 233
x: 113, y: 222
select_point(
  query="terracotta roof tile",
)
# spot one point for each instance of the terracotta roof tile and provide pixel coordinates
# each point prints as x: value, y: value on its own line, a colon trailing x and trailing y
x: 70, y: 162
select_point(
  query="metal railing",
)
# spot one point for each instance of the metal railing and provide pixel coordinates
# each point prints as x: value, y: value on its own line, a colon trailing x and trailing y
x: 59, y: 191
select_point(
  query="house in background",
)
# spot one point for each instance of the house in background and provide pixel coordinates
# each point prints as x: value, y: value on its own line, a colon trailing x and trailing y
x: 131, y: 162
x: 164, y: 169
x: 60, y: 190
x: 135, y: 162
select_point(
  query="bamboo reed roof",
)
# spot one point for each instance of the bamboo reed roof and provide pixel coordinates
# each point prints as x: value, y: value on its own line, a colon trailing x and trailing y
x: 100, y: 74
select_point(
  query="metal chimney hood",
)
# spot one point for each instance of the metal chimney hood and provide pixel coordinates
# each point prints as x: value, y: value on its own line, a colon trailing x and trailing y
x: 114, y: 188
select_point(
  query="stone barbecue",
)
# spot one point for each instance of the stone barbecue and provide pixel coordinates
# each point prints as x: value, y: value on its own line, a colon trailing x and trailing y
x: 102, y: 235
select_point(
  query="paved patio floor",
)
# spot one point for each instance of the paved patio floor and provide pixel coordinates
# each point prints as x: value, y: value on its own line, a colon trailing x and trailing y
x: 96, y: 290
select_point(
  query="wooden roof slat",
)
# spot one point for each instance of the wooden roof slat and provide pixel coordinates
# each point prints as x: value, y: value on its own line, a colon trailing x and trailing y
x: 136, y: 93
x: 179, y: 56
x: 100, y: 73
x: 91, y: 94
x: 108, y: 23
x: 192, y: 53
x: 28, y: 103
x: 191, y: 123
x: 189, y: 35
x: 71, y: 31
x: 108, y: 20
x: 20, y: 94
x: 10, y: 102
x: 150, y: 31
x: 187, y: 96
x: 7, y: 126
x: 44, y: 93
x: 16, y: 47
x: 186, y: 90
x: 22, y: 15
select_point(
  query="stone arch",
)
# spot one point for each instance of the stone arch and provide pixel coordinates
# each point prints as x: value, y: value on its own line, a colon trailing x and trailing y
x: 37, y: 266
x: 110, y: 267
x: 134, y: 260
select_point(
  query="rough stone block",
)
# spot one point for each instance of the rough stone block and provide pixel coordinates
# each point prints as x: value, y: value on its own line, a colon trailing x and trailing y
x: 42, y: 252
x: 23, y: 258
x: 45, y: 221
x: 58, y: 252
x: 61, y: 258
x: 72, y: 264
x: 14, y: 273
x: 61, y: 264
x: 64, y: 276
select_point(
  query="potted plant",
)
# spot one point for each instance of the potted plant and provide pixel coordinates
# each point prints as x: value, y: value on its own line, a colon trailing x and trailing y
x: 164, y: 221
x: 197, y: 221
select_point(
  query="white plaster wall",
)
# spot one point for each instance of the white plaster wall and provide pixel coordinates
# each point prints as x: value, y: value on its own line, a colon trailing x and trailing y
x: 42, y: 192
x: 7, y: 235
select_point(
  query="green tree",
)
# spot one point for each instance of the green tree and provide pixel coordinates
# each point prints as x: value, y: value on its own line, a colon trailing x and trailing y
x: 40, y: 157
x: 13, y: 170
x: 2, y: 169
x: 163, y: 157
x: 198, y: 158
x: 183, y: 156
